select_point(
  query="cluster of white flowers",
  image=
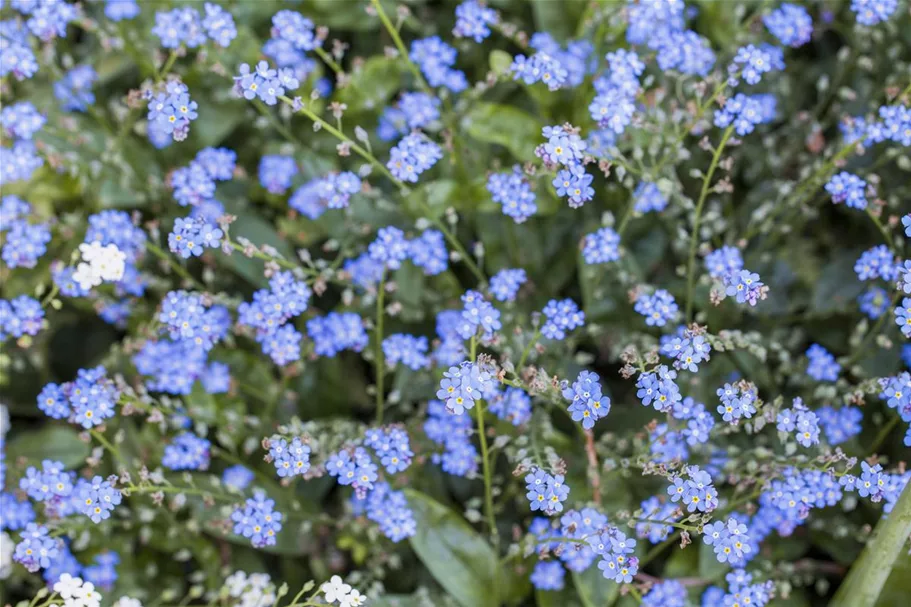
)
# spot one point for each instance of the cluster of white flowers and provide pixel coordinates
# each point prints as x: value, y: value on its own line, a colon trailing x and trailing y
x: 346, y: 596
x: 99, y: 264
x: 254, y: 590
x: 76, y: 593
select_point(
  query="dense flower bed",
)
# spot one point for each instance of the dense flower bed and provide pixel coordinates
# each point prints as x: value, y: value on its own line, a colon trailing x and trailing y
x: 577, y: 302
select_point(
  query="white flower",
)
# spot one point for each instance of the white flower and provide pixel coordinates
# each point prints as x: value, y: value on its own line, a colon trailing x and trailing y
x: 86, y: 276
x: 68, y: 586
x: 99, y: 264
x: 86, y: 597
x: 126, y: 601
x: 354, y: 599
x: 4, y: 420
x: 335, y: 589
x: 6, y: 555
x: 236, y: 583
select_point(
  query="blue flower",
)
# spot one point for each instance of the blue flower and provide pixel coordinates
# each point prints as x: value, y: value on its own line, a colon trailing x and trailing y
x: 822, y: 365
x: 505, y: 284
x: 435, y: 59
x: 562, y: 316
x: 513, y: 191
x: 873, y: 12
x: 187, y: 452
x: 413, y: 155
x: 22, y: 120
x: 296, y: 29
x: 336, y: 332
x: 602, y: 246
x: 36, y: 550
x: 276, y: 172
x: 588, y: 403
x: 118, y: 10
x: 472, y: 20
x: 737, y: 402
x: 545, y: 492
x: 801, y: 421
x: 877, y: 262
x: 874, y: 302
x: 237, y: 477
x: 791, y: 24
x: 658, y: 308
x: 74, y: 90
x: 745, y: 287
x: 462, y: 386
x: 289, y: 459
x: 548, y: 575
x: 839, y: 425
x: 848, y: 188
x: 219, y: 24
x: 96, y: 498
x: 409, y: 350
x: 258, y: 520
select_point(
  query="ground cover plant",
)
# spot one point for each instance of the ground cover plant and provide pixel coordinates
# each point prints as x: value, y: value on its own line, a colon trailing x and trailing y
x: 525, y: 302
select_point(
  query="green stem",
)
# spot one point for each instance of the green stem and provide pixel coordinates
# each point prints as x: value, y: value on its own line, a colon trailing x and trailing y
x: 871, y: 335
x: 160, y: 74
x: 883, y: 434
x: 882, y: 230
x: 527, y: 350
x: 98, y: 436
x: 397, y: 40
x: 405, y: 190
x: 178, y: 269
x: 327, y: 59
x: 380, y: 357
x: 694, y: 239
x: 868, y: 575
x: 669, y: 524
x: 485, y: 459
x: 51, y: 295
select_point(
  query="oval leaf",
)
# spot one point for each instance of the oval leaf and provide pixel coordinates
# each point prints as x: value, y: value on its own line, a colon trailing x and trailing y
x: 58, y: 443
x: 459, y: 559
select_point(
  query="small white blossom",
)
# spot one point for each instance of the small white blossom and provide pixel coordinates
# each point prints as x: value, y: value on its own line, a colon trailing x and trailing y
x: 99, y: 264
x: 126, y: 601
x: 335, y: 589
x: 354, y: 599
x: 6, y: 555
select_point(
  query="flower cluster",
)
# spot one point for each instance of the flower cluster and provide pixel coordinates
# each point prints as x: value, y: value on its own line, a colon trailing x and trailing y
x: 738, y: 401
x: 801, y: 421
x: 588, y: 404
x: 330, y: 192
x: 545, y: 492
x: 513, y: 192
x: 566, y: 148
x: 170, y: 113
x: 88, y: 400
x: 258, y: 520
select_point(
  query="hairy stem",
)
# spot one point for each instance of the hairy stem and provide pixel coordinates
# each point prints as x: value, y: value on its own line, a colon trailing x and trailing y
x: 380, y: 359
x: 694, y: 239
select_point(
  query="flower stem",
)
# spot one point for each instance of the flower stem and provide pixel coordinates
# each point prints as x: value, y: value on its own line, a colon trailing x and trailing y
x: 404, y: 189
x: 869, y: 573
x: 380, y: 358
x: 694, y: 239
x: 527, y: 350
x: 397, y: 40
x: 485, y: 459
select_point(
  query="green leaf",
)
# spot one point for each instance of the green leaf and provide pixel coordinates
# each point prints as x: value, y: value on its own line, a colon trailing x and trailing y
x: 259, y: 232
x: 557, y: 18
x: 54, y: 442
x: 454, y: 553
x: 514, y: 129
x: 499, y: 61
x: 593, y: 588
x: 373, y: 85
x: 867, y: 577
x: 836, y: 288
x: 709, y: 567
x: 898, y: 586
